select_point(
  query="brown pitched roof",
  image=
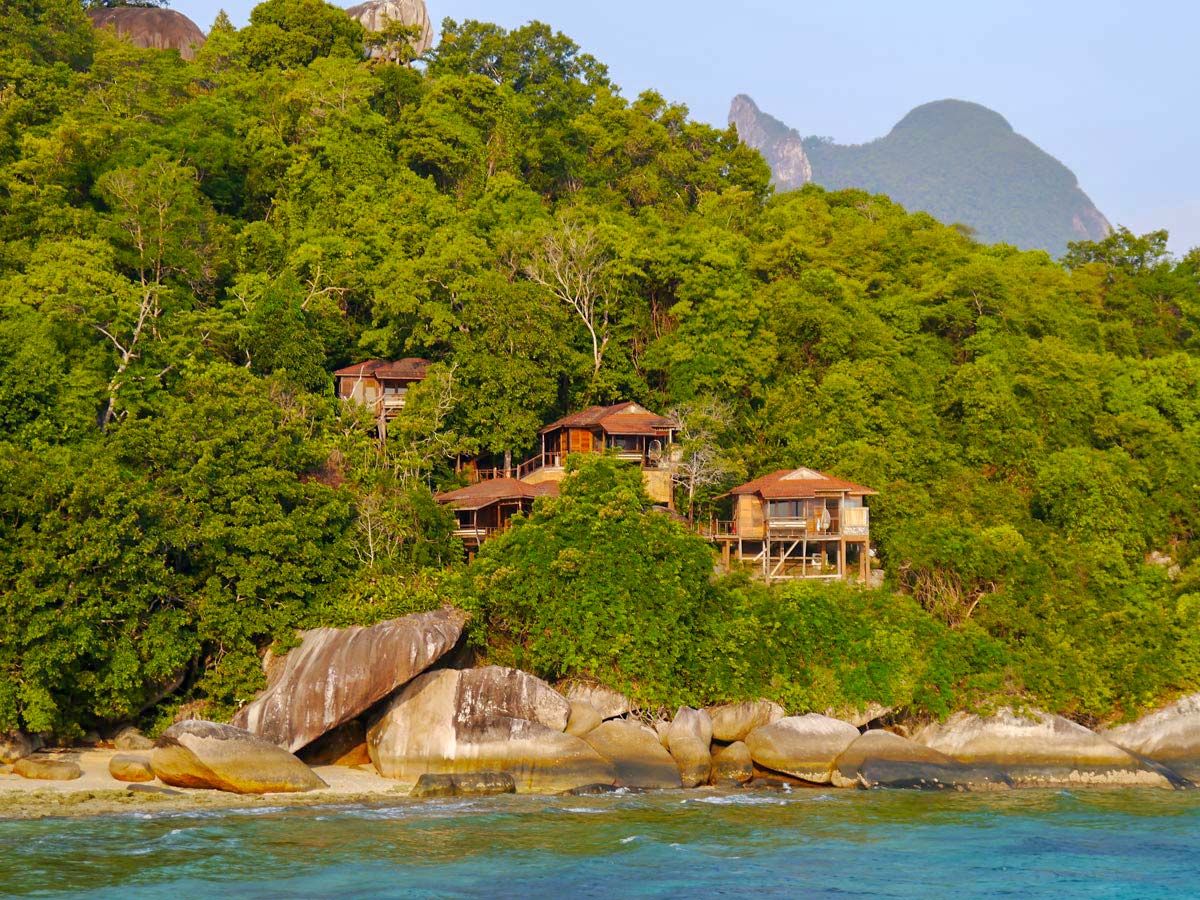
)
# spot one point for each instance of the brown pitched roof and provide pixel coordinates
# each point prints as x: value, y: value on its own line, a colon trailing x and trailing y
x: 485, y: 493
x: 410, y: 368
x: 621, y: 418
x: 799, y: 484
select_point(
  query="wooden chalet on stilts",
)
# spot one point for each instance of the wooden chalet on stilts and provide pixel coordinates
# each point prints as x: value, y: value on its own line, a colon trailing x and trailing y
x: 381, y: 386
x: 799, y: 523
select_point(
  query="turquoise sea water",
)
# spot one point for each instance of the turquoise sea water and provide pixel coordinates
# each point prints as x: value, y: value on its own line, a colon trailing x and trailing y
x: 1140, y: 845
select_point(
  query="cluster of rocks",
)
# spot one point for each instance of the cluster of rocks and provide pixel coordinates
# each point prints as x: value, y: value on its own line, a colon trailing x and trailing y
x: 386, y: 699
x: 152, y: 27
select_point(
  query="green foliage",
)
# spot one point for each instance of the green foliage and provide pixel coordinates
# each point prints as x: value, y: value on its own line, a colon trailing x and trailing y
x: 188, y: 249
x: 592, y: 584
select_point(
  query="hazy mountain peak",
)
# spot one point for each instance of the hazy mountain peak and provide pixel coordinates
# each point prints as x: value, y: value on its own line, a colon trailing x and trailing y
x: 957, y: 160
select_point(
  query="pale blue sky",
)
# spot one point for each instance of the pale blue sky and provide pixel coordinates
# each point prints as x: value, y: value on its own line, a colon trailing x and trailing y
x: 1107, y: 86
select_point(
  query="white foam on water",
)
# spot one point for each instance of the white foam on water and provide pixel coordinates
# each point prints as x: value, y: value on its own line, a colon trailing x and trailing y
x: 630, y: 839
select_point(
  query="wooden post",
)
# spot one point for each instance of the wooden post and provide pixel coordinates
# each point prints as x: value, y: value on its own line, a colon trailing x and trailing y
x: 841, y: 557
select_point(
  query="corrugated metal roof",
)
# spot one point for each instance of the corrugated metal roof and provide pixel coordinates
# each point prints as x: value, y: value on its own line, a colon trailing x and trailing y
x: 496, y: 490
x: 411, y: 368
x: 799, y: 484
x: 615, y: 419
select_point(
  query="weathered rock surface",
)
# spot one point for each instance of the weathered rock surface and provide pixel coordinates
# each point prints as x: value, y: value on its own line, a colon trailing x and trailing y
x: 468, y: 784
x: 499, y: 691
x: 609, y: 703
x: 584, y: 718
x: 17, y: 745
x: 860, y: 717
x: 336, y: 674
x: 882, y: 759
x: 42, y: 768
x: 636, y: 754
x: 129, y: 767
x: 802, y: 746
x: 345, y: 746
x: 689, y: 739
x: 1039, y: 749
x: 491, y: 719
x: 732, y: 764
x: 199, y: 754
x: 781, y: 147
x: 129, y: 740
x: 1170, y: 736
x: 151, y: 27
x: 375, y: 15
x: 733, y: 721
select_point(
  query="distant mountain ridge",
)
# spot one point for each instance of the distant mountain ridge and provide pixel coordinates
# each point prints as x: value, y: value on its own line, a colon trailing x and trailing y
x: 958, y: 161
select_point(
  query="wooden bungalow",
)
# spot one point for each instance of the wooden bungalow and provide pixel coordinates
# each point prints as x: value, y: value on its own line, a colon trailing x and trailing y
x: 380, y: 385
x: 486, y: 508
x: 800, y: 523
x: 628, y: 429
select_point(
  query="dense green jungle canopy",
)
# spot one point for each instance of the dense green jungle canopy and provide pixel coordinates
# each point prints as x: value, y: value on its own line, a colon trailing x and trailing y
x: 187, y: 250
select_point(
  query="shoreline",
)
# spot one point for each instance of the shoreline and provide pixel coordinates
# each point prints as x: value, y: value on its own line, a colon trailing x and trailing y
x: 97, y: 794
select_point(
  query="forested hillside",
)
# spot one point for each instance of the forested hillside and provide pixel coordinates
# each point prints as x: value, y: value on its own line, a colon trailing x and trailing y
x: 188, y: 249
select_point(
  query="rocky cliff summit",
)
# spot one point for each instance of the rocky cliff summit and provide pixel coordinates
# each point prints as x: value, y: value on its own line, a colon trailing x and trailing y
x: 151, y: 27
x: 376, y: 14
x: 959, y: 161
x: 781, y: 146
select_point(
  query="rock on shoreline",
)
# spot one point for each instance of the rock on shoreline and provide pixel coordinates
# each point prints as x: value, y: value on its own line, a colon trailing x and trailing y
x: 492, y: 719
x: 1039, y: 749
x: 337, y: 674
x: 198, y: 754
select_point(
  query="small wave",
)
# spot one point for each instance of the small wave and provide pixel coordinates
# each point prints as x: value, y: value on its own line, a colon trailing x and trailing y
x: 582, y: 809
x: 630, y: 839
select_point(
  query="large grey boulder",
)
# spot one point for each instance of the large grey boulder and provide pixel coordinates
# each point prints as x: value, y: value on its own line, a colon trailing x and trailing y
x: 199, y: 754
x: 1039, y: 748
x: 130, y: 767
x: 636, y: 754
x: 336, y: 674
x: 584, y: 718
x: 47, y: 768
x: 689, y: 739
x: 732, y: 765
x: 376, y: 14
x: 16, y: 745
x: 802, y: 746
x: 733, y: 721
x: 609, y: 703
x: 472, y: 784
x: 1170, y: 736
x: 452, y: 722
x: 881, y: 759
x: 151, y: 28
x: 130, y: 740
